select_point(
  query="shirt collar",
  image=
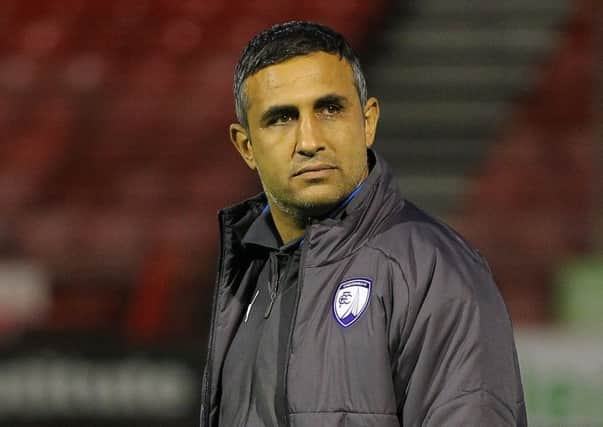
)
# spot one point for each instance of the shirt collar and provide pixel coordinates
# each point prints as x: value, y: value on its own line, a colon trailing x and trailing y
x: 262, y: 231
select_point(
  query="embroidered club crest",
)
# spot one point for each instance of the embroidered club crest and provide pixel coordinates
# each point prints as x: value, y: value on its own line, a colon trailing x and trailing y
x: 350, y: 300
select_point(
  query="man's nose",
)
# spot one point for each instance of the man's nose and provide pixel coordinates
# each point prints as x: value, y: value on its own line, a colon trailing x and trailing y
x: 309, y: 137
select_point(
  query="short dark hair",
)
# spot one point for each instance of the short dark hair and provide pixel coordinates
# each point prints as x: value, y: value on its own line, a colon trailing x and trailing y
x: 285, y: 41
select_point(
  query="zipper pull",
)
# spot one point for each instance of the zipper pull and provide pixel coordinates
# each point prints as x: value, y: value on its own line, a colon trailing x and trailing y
x: 273, y: 284
x: 270, y: 304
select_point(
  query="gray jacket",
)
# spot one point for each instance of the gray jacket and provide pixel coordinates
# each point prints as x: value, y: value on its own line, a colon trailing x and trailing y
x: 397, y: 322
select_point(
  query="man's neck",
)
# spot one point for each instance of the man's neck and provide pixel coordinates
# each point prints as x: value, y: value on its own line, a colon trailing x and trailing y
x: 289, y: 227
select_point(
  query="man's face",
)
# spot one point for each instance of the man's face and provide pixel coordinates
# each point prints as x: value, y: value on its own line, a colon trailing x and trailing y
x: 307, y: 132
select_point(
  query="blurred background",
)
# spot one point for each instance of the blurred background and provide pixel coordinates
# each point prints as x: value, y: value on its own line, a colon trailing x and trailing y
x: 114, y: 159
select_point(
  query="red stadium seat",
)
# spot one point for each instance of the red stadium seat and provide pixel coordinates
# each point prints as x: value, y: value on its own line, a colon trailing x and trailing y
x: 111, y: 113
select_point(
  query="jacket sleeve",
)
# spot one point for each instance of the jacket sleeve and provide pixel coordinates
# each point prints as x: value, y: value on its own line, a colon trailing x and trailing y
x: 455, y: 363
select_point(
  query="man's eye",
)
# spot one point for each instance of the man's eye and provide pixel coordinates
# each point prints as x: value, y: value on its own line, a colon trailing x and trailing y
x: 285, y: 117
x: 281, y: 118
x: 331, y: 109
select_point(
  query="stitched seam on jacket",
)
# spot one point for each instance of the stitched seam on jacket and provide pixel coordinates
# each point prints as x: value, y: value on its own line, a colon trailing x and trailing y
x: 465, y: 394
x: 345, y: 412
x: 405, y: 280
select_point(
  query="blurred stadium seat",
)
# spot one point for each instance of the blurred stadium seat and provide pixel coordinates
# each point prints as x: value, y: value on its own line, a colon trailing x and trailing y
x: 533, y: 204
x: 114, y: 120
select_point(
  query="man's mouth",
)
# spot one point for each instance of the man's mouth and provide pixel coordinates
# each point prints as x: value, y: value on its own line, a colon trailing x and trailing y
x: 314, y: 169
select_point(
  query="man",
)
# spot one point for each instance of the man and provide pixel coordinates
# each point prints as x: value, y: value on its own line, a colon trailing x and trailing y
x: 337, y: 302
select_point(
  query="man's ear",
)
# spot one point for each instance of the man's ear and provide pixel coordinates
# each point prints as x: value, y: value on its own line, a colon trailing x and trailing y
x: 371, y: 118
x: 240, y: 139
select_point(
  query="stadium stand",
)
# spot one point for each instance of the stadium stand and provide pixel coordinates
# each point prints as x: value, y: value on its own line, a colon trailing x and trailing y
x: 115, y: 157
x: 490, y: 125
x: 111, y: 110
x: 446, y: 80
x: 534, y: 202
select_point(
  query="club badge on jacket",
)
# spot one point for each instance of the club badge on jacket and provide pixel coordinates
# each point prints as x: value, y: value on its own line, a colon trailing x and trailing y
x: 351, y: 300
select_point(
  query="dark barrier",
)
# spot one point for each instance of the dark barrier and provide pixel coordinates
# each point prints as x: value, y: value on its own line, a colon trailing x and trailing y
x: 48, y: 388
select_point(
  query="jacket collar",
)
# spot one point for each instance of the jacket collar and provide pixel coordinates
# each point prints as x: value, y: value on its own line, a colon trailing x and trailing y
x: 262, y: 231
x: 330, y: 238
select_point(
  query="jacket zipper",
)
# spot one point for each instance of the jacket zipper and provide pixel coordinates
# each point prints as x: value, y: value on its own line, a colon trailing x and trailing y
x: 206, y: 391
x: 284, y: 422
x: 274, y: 279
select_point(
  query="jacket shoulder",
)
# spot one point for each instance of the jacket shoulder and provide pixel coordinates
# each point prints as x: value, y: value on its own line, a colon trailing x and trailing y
x: 412, y: 225
x: 427, y: 250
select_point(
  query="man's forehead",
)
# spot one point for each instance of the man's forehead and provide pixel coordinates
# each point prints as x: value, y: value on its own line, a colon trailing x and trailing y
x: 301, y: 77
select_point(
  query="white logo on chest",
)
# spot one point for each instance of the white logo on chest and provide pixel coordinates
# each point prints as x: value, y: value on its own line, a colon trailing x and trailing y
x: 350, y: 300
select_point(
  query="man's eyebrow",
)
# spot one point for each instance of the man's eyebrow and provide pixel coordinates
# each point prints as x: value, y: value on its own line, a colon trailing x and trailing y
x: 276, y: 111
x: 329, y: 99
